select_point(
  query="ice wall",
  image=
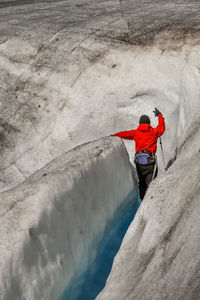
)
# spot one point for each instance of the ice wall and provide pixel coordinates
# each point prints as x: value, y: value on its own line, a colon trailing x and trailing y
x: 52, y: 224
x: 163, y: 261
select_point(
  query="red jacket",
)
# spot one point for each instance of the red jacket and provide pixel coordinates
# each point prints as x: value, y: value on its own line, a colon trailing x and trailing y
x: 145, y: 136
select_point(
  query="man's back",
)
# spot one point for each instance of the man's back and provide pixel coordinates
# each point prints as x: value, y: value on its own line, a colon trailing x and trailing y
x: 145, y: 135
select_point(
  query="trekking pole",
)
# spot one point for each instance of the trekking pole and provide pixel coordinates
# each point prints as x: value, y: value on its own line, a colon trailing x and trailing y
x: 162, y: 153
x: 154, y: 170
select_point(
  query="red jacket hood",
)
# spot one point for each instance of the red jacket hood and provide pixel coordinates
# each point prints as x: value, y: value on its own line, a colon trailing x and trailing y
x: 144, y: 127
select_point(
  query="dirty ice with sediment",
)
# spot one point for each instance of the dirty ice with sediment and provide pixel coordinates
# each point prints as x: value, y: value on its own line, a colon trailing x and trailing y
x: 73, y: 73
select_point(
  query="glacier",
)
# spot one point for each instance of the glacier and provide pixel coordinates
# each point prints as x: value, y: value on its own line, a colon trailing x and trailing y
x: 72, y: 73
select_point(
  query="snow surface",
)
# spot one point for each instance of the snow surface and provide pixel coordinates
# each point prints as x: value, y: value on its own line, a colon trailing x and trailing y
x: 51, y: 225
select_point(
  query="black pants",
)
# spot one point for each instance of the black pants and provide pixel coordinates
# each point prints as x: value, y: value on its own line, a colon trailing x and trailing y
x: 145, y: 175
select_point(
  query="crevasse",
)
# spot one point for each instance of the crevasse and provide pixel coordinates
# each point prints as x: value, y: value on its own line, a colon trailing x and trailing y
x: 87, y: 285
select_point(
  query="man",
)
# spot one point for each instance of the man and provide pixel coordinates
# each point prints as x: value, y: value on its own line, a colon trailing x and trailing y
x: 145, y: 138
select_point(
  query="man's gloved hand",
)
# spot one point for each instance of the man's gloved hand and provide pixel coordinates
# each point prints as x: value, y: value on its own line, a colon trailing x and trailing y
x: 157, y: 112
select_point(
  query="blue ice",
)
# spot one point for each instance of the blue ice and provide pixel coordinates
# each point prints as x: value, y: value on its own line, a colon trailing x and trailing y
x: 88, y: 285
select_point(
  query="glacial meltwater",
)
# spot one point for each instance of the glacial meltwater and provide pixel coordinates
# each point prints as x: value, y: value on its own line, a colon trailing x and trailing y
x: 88, y: 285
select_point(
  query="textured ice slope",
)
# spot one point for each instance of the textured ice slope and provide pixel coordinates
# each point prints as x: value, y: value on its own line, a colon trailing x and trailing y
x: 51, y: 225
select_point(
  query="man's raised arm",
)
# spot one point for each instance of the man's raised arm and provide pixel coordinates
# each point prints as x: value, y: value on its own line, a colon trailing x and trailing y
x: 160, y: 129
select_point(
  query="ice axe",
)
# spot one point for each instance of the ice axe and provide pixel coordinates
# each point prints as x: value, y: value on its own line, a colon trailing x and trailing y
x: 157, y: 112
x: 162, y: 153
